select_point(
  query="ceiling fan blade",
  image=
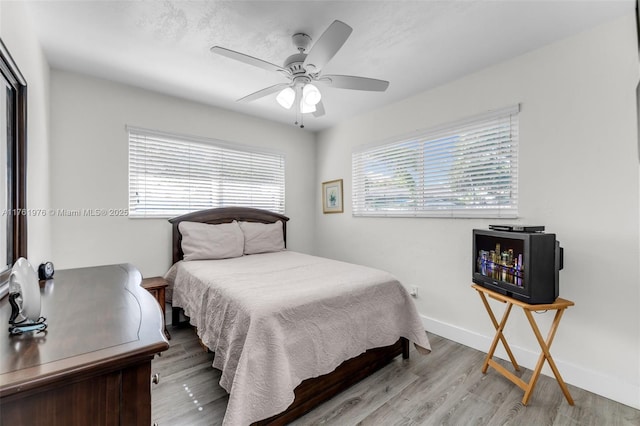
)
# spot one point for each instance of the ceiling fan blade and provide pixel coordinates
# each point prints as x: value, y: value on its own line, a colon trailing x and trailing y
x: 319, y: 112
x: 327, y: 46
x: 247, y: 59
x: 354, y: 83
x: 264, y: 92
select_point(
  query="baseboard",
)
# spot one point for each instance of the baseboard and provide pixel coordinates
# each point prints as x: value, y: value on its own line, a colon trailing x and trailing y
x: 592, y: 381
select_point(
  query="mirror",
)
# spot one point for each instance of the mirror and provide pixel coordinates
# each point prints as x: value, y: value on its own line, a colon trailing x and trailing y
x: 13, y: 166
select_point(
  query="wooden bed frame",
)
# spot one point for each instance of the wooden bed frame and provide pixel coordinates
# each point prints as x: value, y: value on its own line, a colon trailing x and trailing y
x: 311, y: 392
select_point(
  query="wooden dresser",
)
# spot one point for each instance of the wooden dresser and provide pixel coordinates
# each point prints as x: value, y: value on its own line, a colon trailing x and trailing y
x: 93, y: 364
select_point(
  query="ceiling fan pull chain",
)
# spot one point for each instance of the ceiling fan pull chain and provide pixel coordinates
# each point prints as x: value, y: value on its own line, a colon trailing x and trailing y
x: 298, y: 109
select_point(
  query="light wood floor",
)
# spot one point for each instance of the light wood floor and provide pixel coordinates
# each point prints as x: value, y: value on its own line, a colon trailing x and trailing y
x: 445, y: 387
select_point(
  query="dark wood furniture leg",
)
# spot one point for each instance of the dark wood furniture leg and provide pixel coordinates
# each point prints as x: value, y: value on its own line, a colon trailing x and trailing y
x: 405, y: 347
x: 175, y: 318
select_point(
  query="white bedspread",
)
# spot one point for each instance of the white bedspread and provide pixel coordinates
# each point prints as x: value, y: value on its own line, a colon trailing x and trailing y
x: 276, y: 319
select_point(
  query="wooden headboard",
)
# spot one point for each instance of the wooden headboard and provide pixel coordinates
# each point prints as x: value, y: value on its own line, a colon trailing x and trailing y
x: 223, y: 215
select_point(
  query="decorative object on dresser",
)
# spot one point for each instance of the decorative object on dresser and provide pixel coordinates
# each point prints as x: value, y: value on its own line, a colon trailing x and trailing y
x: 104, y: 330
x: 24, y: 298
x: 45, y: 271
x: 156, y: 286
x: 351, y: 313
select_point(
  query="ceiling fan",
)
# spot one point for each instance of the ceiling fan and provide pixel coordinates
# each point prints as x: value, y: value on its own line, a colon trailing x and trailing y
x: 303, y: 69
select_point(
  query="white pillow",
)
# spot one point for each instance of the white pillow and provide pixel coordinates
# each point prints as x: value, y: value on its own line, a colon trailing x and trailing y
x: 262, y: 237
x: 204, y: 241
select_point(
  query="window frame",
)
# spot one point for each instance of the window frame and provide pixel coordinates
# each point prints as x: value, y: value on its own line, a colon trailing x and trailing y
x: 419, y: 182
x: 212, y: 145
x: 16, y: 176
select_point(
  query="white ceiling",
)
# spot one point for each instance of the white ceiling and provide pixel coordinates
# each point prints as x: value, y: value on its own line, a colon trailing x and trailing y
x: 416, y: 45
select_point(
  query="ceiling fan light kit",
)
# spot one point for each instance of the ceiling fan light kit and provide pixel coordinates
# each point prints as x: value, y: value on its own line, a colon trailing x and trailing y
x: 306, y: 108
x: 311, y: 95
x: 301, y: 69
x: 286, y: 97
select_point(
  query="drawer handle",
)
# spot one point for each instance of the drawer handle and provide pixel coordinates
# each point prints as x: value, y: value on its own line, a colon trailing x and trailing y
x: 155, y: 379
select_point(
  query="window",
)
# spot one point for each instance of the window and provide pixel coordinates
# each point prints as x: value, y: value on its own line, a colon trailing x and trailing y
x: 466, y: 169
x: 171, y: 175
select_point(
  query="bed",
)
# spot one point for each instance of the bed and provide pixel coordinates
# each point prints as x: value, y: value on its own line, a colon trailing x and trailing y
x: 288, y: 330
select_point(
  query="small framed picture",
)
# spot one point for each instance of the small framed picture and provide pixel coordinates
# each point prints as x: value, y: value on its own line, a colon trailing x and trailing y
x: 332, y: 196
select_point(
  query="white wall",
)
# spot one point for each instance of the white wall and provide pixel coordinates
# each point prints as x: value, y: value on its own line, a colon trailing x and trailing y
x: 89, y: 168
x: 16, y: 30
x: 578, y: 176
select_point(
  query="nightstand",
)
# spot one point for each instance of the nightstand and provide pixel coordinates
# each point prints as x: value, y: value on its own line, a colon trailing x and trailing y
x: 156, y: 286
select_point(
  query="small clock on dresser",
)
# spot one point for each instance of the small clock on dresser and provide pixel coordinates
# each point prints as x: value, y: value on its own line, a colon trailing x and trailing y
x: 45, y: 271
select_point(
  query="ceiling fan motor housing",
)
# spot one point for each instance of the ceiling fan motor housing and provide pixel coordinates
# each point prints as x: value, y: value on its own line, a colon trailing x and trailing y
x: 301, y: 80
x: 294, y: 63
x: 301, y: 41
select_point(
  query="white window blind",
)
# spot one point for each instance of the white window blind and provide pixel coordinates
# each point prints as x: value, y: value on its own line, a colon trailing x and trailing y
x: 170, y: 175
x: 464, y: 169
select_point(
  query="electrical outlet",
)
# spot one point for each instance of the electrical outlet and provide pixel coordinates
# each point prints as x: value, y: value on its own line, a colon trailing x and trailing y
x: 414, y: 291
